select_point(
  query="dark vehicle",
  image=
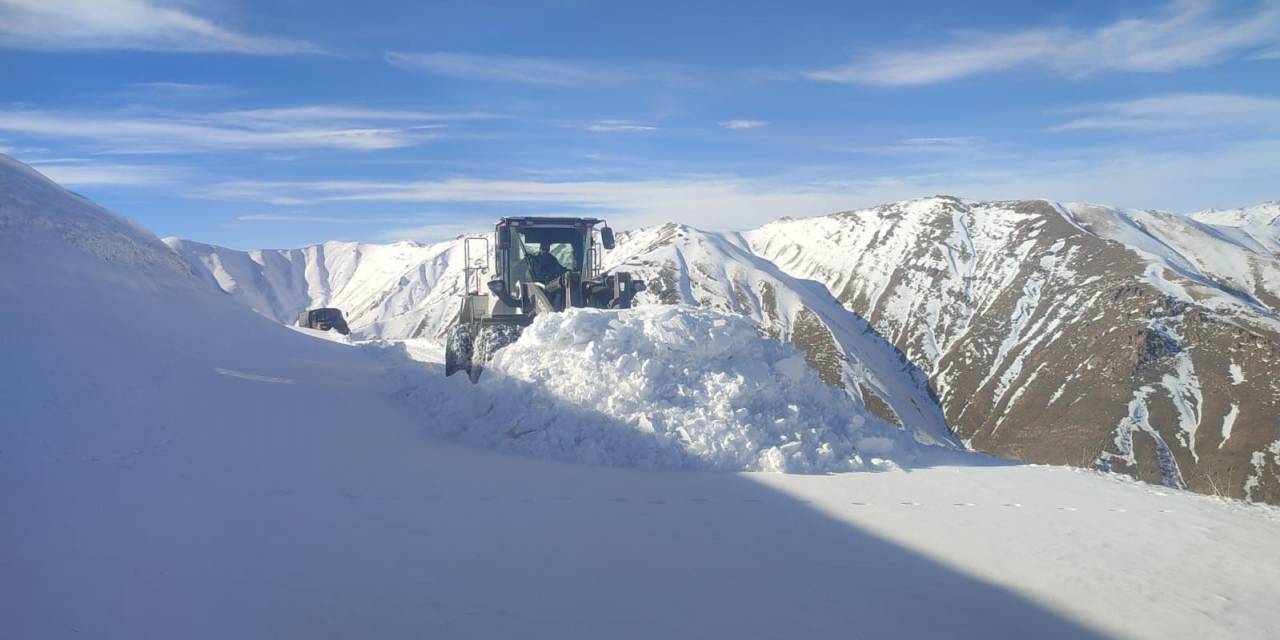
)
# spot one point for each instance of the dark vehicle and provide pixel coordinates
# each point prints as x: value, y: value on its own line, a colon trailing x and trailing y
x: 324, y: 320
x: 534, y: 266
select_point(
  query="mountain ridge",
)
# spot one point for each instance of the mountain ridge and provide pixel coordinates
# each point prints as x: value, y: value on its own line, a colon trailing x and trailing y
x: 1069, y: 333
x: 1065, y: 333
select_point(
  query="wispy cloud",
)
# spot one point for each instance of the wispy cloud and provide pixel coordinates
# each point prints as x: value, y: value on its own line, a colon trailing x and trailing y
x: 290, y: 217
x: 1184, y: 111
x: 1189, y: 34
x: 307, y: 127
x: 80, y: 173
x: 421, y: 228
x: 927, y: 146
x: 503, y: 68
x: 177, y: 90
x: 433, y: 232
x: 154, y: 25
x: 743, y: 124
x: 710, y: 202
x: 943, y: 141
x: 335, y: 113
x: 619, y: 125
x: 1222, y: 175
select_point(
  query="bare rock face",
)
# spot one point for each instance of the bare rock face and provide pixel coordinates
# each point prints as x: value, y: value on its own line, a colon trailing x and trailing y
x: 1141, y: 342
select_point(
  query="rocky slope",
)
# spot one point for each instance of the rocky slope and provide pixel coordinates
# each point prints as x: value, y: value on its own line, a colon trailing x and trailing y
x: 1136, y: 341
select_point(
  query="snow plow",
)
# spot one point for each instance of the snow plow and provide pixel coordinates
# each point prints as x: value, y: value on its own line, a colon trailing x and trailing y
x: 532, y: 266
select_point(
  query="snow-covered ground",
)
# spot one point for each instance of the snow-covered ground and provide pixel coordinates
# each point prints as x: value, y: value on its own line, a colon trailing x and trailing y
x: 174, y: 465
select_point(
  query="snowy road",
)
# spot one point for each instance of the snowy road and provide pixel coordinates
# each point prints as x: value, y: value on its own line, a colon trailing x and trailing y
x: 389, y: 536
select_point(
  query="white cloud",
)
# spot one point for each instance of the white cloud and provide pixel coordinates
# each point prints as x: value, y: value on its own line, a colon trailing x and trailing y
x: 1184, y: 111
x: 1186, y: 180
x: 331, y: 113
x: 330, y: 127
x: 1183, y: 180
x: 503, y: 68
x: 709, y: 202
x: 311, y: 218
x: 619, y: 125
x: 181, y: 89
x: 1188, y: 35
x: 78, y: 173
x: 434, y: 232
x: 944, y: 141
x: 157, y: 25
x: 743, y: 124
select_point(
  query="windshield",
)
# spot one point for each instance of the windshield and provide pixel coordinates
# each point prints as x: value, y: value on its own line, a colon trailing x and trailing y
x: 564, y: 244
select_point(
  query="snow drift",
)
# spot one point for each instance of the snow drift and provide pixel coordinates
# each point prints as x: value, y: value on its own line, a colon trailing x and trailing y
x: 661, y: 387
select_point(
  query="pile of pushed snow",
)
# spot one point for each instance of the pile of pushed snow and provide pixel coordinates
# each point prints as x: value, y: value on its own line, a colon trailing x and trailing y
x: 660, y: 387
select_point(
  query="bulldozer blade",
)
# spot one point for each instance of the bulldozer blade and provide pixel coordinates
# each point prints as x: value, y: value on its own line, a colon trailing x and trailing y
x: 459, y: 349
x: 470, y: 347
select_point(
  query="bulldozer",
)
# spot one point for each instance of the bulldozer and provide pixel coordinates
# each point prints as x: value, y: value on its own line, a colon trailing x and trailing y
x: 528, y: 267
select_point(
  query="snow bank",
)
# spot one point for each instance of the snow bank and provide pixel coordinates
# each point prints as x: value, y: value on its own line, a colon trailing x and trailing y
x: 660, y: 387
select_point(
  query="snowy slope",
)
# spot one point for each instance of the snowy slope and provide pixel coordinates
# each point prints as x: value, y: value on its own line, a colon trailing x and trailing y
x: 406, y: 291
x: 1228, y: 259
x: 717, y: 271
x: 1257, y: 226
x: 400, y: 290
x: 1068, y: 333
x: 175, y: 465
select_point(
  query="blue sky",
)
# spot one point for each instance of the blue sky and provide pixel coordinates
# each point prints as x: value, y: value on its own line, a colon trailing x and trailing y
x: 275, y: 124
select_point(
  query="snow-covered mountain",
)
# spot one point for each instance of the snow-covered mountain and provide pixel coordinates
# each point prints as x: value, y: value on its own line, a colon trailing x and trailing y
x: 400, y: 290
x: 1138, y: 341
x: 408, y: 290
x: 1257, y: 226
x: 175, y: 465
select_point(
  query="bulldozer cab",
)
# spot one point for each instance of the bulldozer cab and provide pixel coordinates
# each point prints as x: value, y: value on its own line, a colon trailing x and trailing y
x: 542, y: 249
